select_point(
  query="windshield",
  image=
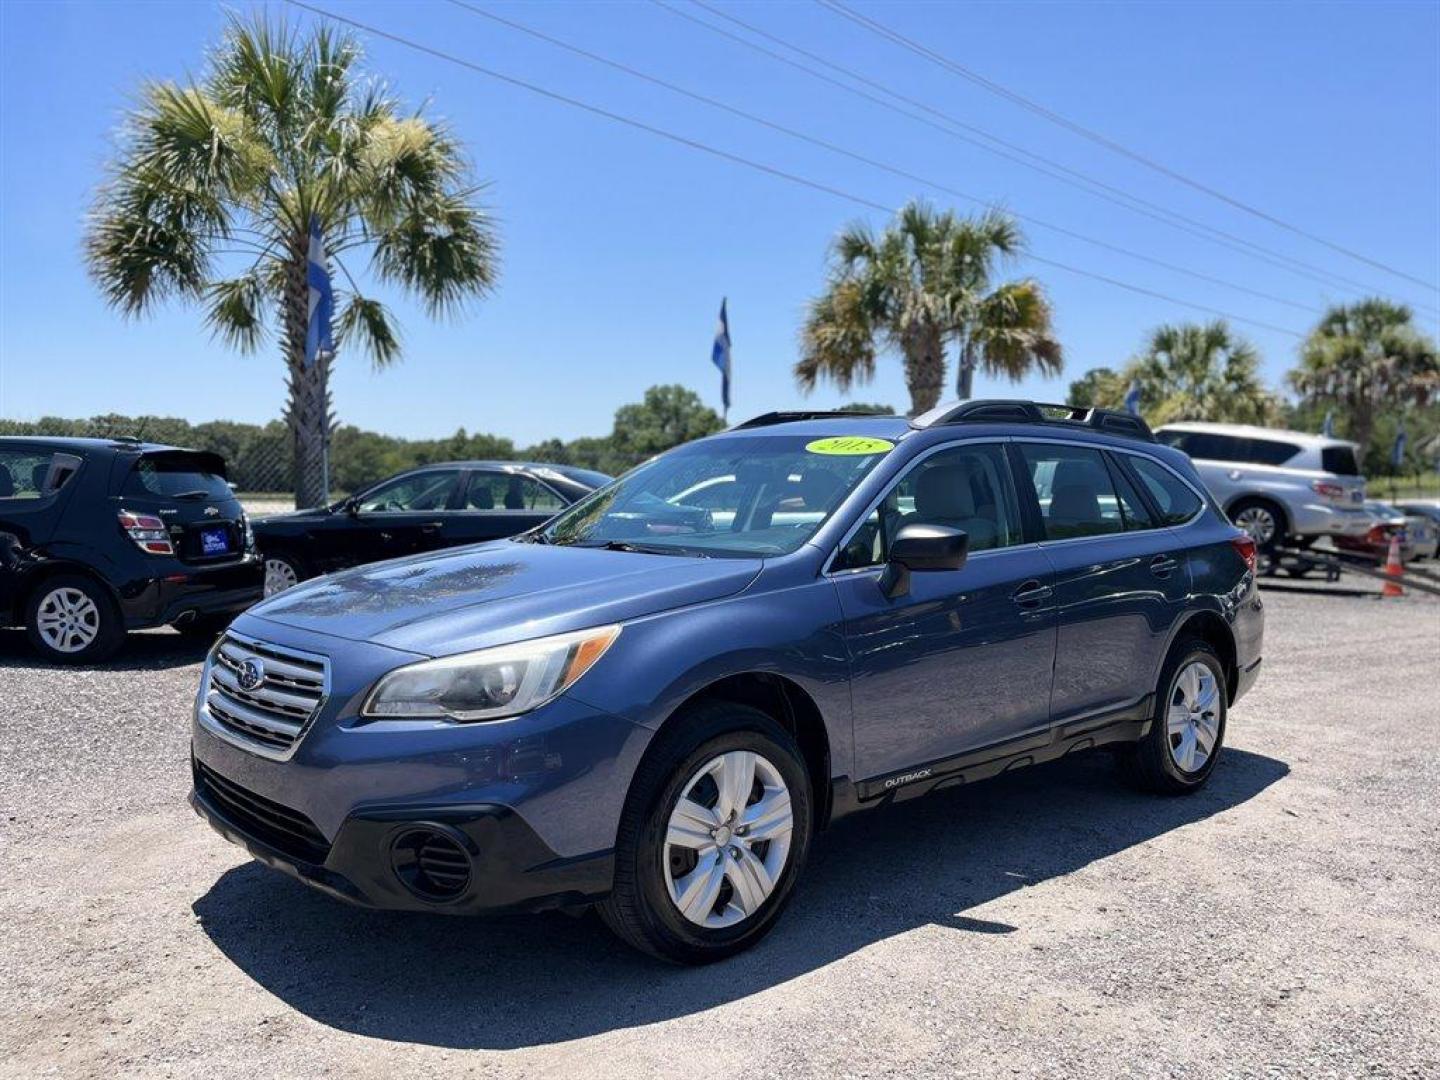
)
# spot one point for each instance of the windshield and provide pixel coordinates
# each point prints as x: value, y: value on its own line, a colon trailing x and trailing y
x: 178, y: 474
x: 753, y: 496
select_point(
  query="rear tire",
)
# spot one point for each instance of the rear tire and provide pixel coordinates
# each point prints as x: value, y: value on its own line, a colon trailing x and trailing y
x: 72, y: 619
x: 1187, y: 728
x: 685, y: 840
x: 1264, y: 520
x: 283, y: 570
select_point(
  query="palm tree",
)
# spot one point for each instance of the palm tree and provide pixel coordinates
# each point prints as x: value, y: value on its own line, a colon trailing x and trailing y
x: 1200, y: 372
x: 923, y: 283
x: 1364, y: 357
x: 217, y: 183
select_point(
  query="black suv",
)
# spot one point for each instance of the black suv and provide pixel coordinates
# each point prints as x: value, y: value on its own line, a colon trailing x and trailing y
x: 101, y: 536
x: 435, y: 506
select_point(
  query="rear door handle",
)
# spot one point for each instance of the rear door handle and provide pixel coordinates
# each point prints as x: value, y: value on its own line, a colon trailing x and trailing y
x: 431, y: 527
x: 1162, y: 566
x: 1032, y: 594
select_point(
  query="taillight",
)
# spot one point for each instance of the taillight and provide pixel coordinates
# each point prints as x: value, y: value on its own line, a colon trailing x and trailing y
x: 1245, y: 547
x: 148, y: 532
x: 1329, y: 490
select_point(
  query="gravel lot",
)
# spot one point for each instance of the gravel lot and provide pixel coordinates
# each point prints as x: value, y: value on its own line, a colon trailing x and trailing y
x: 1285, y: 922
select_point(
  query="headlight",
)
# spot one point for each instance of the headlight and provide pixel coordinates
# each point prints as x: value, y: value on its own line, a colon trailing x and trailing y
x: 492, y: 683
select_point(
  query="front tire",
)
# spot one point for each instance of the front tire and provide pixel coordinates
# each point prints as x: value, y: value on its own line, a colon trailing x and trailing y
x: 714, y: 834
x: 1187, y: 729
x: 72, y: 619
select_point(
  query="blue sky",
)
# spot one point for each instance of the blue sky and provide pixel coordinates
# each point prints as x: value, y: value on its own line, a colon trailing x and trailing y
x: 618, y: 246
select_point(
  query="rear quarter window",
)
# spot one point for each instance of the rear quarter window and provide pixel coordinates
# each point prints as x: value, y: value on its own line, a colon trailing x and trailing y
x: 1339, y: 460
x: 1173, y: 498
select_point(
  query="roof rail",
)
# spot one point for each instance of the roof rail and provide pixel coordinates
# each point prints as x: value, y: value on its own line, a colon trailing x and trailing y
x: 1110, y: 421
x: 769, y: 418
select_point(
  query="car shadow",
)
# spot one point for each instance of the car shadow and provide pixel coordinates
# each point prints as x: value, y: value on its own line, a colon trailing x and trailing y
x: 530, y: 980
x: 150, y: 650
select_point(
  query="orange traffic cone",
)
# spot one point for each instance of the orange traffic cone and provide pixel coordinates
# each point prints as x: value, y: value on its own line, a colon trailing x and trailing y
x: 1393, y: 570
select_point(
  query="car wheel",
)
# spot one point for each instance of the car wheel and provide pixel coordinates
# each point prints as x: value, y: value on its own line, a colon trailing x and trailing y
x: 282, y: 571
x: 1262, y: 519
x: 1187, y: 729
x: 71, y: 619
x: 713, y: 837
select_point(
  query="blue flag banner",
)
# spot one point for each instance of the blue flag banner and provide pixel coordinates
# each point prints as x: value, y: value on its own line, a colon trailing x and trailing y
x: 720, y: 355
x: 1132, y: 398
x: 322, y: 299
x: 1397, y: 452
x: 1328, y: 428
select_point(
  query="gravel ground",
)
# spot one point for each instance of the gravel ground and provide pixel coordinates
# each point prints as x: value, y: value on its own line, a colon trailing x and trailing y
x: 1284, y: 922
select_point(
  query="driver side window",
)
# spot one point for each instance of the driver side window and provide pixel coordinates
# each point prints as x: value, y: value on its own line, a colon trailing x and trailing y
x: 968, y: 488
x: 418, y: 491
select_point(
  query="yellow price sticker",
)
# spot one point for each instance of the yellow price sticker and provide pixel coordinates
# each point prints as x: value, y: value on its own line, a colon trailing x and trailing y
x: 850, y: 444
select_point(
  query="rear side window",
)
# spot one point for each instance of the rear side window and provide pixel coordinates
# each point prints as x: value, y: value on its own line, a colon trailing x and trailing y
x: 1269, y: 451
x: 1176, y: 502
x: 510, y: 491
x: 177, y: 476
x: 1073, y: 486
x: 23, y: 473
x: 1339, y: 460
x: 1133, y: 511
x: 1211, y: 447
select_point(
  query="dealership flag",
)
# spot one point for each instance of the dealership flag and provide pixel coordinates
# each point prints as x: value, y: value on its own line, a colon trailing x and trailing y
x: 322, y: 299
x: 720, y: 355
x: 1328, y: 428
x: 1132, y: 397
x: 1397, y: 452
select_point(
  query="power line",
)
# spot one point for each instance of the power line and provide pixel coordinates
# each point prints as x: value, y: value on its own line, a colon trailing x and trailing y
x: 1047, y: 166
x: 1103, y: 140
x: 738, y: 159
x: 872, y: 162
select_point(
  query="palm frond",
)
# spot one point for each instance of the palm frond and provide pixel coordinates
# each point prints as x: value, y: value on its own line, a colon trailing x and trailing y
x: 372, y: 327
x: 443, y: 249
x: 236, y: 311
x: 837, y: 342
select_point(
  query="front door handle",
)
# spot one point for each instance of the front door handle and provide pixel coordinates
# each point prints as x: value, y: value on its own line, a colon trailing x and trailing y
x: 1032, y: 594
x: 431, y: 528
x: 1162, y: 566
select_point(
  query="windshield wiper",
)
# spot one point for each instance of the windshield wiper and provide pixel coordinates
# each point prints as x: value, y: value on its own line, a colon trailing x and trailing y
x: 645, y: 549
x: 192, y: 495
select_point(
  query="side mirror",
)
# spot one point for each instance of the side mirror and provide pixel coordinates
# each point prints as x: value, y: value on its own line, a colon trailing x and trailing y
x: 922, y: 548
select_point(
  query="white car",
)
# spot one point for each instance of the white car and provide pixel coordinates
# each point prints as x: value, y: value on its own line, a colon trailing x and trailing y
x: 1279, y: 486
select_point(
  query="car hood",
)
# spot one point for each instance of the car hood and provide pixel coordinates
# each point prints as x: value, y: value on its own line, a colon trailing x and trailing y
x: 489, y: 594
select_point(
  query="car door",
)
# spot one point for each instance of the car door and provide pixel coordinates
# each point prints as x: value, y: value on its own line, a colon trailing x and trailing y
x: 962, y: 660
x: 1121, y: 579
x: 31, y: 502
x: 500, y: 503
x: 404, y: 515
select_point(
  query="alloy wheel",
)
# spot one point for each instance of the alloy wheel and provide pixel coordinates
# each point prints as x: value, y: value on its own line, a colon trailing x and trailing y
x: 279, y: 576
x: 1193, y: 717
x: 1258, y: 522
x: 727, y: 839
x: 67, y: 620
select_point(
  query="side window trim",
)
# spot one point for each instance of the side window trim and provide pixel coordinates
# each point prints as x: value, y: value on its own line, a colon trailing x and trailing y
x: 1121, y: 472
x: 828, y: 566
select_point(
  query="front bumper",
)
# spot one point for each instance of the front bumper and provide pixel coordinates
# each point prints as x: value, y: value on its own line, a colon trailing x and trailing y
x: 511, y: 868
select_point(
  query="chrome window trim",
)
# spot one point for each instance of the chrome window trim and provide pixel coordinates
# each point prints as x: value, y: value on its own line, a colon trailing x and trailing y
x: 914, y: 463
x: 235, y: 738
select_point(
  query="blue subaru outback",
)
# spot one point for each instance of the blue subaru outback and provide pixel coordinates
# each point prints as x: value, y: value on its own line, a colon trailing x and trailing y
x: 654, y: 701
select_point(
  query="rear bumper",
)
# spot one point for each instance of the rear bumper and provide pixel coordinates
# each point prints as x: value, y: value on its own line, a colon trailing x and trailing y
x: 510, y: 867
x: 181, y: 590
x: 1321, y: 519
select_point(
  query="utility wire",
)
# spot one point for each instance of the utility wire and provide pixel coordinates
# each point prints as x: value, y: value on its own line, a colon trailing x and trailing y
x: 737, y: 159
x: 1039, y: 163
x: 1102, y: 140
x: 872, y: 162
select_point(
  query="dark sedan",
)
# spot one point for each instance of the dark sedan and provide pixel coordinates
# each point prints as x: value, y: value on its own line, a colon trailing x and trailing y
x: 436, y: 506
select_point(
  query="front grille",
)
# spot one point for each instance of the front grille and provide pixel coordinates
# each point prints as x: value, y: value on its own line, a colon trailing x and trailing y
x: 287, y: 831
x: 273, y: 713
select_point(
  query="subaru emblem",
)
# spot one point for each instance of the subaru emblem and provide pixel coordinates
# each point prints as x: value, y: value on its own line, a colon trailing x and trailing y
x: 252, y: 674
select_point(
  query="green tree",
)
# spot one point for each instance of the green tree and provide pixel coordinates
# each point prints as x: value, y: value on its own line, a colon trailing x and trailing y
x: 1363, y: 359
x: 668, y: 416
x: 1192, y: 371
x: 1100, y: 387
x: 216, y: 184
x: 924, y: 283
x: 867, y: 407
